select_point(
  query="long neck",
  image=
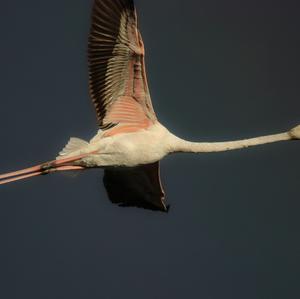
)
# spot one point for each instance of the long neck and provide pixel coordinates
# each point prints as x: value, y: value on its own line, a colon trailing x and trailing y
x: 180, y: 145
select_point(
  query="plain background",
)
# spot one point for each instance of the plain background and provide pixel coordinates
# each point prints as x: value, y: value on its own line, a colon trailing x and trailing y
x: 218, y: 70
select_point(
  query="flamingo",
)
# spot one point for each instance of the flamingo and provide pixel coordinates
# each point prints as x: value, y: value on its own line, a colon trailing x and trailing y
x: 130, y: 141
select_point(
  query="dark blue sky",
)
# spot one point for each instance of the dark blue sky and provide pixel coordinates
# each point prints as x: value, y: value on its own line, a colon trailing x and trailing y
x: 217, y: 70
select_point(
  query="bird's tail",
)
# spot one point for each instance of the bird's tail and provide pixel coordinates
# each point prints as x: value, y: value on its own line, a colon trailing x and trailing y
x: 66, y: 164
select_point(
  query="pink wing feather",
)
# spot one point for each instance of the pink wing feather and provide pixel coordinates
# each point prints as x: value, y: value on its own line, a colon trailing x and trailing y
x: 118, y: 83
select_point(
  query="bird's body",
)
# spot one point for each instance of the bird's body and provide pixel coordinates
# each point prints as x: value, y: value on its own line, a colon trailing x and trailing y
x: 131, y: 141
x: 131, y: 149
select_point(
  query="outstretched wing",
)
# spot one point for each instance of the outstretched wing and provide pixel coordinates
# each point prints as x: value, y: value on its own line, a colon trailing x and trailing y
x: 137, y: 186
x: 117, y: 77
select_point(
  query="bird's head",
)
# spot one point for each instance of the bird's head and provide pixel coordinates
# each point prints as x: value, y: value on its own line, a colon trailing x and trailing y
x: 295, y: 132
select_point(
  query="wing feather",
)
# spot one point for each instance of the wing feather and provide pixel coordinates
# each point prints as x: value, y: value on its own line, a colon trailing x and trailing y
x: 136, y: 186
x: 117, y: 66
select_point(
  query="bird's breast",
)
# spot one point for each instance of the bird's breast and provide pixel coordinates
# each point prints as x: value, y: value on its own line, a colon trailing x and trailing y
x: 142, y: 147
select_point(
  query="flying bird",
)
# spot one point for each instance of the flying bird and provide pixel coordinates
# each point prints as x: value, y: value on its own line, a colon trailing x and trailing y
x: 130, y: 141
